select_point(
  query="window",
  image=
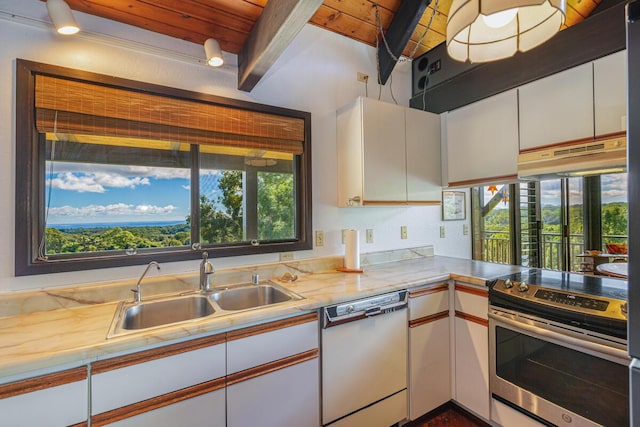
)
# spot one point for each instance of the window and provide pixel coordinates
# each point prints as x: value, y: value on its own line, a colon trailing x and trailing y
x: 111, y: 172
x: 550, y: 223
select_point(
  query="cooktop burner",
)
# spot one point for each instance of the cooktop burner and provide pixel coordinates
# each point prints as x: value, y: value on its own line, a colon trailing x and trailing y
x: 591, y: 302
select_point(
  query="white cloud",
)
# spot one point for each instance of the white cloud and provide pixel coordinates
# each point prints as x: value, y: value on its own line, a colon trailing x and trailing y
x: 94, y: 182
x: 187, y: 187
x: 123, y: 170
x: 116, y: 209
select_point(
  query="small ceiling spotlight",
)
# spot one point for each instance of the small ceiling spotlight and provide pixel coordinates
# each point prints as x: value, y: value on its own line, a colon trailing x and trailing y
x: 213, y: 52
x: 62, y: 18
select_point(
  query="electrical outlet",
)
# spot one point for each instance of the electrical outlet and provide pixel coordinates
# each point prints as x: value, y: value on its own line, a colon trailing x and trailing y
x: 465, y: 229
x: 403, y: 232
x: 286, y: 256
x: 435, y: 66
x: 344, y: 235
x: 369, y: 235
x: 442, y: 231
x: 319, y: 238
x: 362, y: 77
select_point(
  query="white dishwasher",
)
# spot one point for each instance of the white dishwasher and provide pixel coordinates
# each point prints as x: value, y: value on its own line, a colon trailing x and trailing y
x: 364, y: 362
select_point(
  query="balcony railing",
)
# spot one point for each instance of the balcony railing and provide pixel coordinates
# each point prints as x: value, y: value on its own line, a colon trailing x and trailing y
x: 496, y: 247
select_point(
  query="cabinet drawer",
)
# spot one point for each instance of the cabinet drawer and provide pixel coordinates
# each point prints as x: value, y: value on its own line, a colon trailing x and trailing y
x: 384, y: 413
x: 50, y: 400
x: 428, y: 301
x: 129, y: 379
x: 204, y: 410
x: 276, y: 340
x: 472, y: 300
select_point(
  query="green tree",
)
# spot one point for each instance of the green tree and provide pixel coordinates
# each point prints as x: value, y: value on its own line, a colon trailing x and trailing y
x: 223, y: 223
x: 276, y: 210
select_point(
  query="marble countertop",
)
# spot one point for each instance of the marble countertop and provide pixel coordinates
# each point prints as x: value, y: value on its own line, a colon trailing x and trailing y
x: 37, y: 341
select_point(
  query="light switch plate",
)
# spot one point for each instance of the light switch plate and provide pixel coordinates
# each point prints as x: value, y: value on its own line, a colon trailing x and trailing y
x: 403, y: 232
x: 319, y: 238
x: 369, y: 235
x: 344, y: 235
x: 286, y: 256
x: 442, y: 231
x: 465, y: 229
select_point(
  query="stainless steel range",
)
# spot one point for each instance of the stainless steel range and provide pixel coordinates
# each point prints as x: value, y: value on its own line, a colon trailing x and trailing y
x: 558, y: 347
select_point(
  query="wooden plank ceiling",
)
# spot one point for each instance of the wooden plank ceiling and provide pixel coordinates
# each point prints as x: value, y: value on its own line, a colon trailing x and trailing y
x: 231, y: 21
x: 258, y: 33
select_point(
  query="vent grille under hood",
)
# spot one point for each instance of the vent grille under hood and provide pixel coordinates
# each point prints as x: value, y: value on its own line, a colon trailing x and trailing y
x: 574, y: 159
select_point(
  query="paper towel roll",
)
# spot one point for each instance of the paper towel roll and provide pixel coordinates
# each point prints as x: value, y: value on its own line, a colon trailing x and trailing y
x: 352, y: 250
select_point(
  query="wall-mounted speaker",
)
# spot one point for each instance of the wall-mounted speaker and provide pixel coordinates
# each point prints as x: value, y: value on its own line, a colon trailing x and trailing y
x: 420, y: 73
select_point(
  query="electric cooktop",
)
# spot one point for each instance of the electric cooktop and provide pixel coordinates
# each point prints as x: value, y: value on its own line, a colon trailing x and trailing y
x: 591, y: 302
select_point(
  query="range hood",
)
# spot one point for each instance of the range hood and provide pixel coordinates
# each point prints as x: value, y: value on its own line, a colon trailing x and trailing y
x: 580, y: 158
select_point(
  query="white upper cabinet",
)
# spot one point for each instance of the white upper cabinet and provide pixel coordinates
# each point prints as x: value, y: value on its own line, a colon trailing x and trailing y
x: 482, y: 140
x: 557, y: 108
x: 610, y: 93
x: 423, y: 155
x: 374, y: 142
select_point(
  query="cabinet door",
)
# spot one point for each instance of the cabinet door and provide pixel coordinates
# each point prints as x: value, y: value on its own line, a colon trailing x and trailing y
x: 482, y: 140
x: 287, y: 397
x: 273, y: 374
x: 610, y: 93
x: 471, y: 330
x: 429, y: 349
x: 558, y: 108
x: 203, y: 410
x: 58, y: 399
x: 429, y: 366
x: 261, y: 344
x: 385, y: 168
x: 122, y: 381
x: 472, y: 366
x: 423, y: 156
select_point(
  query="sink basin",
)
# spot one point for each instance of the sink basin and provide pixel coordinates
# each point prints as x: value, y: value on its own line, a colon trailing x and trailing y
x: 148, y: 314
x: 252, y: 296
x: 131, y: 317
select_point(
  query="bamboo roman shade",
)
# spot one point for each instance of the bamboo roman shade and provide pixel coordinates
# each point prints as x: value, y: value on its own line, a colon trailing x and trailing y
x: 76, y: 107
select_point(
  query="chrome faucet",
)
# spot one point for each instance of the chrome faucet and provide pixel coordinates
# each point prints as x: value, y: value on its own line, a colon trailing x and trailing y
x: 137, y: 294
x: 206, y: 270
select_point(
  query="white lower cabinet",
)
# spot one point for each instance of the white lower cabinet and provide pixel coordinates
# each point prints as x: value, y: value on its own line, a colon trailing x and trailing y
x: 203, y: 410
x: 57, y: 399
x: 429, y: 350
x: 506, y: 416
x: 158, y: 386
x: 286, y: 397
x: 471, y: 331
x: 386, y: 413
x: 273, y: 374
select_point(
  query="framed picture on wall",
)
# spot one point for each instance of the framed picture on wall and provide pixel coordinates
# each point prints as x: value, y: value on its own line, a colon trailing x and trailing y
x: 454, y: 205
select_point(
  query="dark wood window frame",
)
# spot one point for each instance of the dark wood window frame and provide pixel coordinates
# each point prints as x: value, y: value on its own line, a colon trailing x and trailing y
x: 29, y: 223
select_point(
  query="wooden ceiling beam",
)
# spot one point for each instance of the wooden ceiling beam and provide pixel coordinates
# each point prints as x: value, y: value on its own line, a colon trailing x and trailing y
x: 398, y: 35
x: 280, y: 22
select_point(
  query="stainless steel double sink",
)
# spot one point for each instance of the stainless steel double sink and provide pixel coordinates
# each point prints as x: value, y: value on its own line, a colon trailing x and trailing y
x: 136, y: 316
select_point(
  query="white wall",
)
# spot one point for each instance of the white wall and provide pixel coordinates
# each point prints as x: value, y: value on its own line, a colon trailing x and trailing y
x: 317, y: 73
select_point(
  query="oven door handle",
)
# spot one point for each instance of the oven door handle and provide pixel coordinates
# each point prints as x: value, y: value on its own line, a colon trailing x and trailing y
x: 620, y: 355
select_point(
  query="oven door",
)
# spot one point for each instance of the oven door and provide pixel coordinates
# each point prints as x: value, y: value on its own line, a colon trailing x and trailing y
x: 563, y: 375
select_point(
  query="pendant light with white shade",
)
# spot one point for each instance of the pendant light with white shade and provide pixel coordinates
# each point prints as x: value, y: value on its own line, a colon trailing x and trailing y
x: 487, y: 30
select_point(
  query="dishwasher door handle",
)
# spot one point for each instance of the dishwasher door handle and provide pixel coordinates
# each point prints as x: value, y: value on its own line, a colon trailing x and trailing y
x: 373, y: 311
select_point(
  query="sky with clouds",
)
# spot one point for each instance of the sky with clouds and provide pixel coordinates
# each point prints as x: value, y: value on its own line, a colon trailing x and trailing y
x: 113, y: 193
